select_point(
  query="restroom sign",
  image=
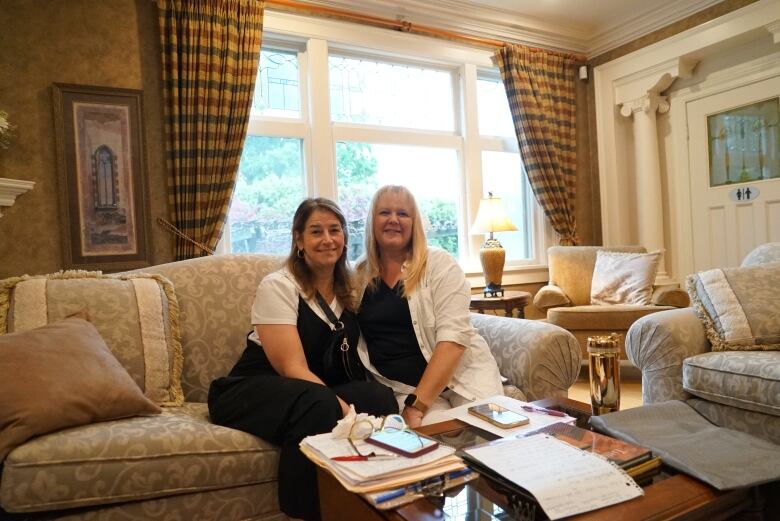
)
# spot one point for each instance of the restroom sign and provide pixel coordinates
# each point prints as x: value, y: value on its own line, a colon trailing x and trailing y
x: 744, y: 194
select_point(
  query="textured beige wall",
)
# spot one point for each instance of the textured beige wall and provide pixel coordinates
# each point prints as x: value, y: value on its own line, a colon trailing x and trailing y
x: 112, y: 43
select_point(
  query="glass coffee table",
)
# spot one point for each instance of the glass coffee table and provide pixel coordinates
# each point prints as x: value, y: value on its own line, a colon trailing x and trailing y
x: 668, y: 496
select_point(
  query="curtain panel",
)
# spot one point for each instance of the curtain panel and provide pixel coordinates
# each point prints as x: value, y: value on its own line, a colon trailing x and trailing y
x: 542, y: 91
x: 210, y: 53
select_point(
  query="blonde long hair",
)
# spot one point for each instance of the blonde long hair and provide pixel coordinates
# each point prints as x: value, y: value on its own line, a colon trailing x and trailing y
x: 369, y: 267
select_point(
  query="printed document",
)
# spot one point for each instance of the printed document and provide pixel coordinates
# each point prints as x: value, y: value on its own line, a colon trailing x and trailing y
x: 564, y: 479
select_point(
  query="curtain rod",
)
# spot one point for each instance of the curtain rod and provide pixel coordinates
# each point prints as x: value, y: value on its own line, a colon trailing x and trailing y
x: 397, y: 25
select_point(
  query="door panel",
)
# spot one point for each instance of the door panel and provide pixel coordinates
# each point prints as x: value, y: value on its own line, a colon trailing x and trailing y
x: 725, y: 230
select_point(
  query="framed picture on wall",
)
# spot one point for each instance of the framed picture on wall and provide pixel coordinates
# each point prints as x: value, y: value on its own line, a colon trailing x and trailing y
x: 102, y: 175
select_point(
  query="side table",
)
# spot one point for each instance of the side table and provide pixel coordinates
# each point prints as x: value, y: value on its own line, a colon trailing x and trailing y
x: 510, y: 301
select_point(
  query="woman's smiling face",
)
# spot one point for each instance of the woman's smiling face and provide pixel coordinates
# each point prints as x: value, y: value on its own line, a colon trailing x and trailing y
x: 393, y: 222
x: 322, y: 240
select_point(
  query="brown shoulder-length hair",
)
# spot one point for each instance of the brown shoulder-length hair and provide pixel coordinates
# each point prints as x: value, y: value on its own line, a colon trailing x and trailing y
x: 342, y: 274
x: 369, y: 267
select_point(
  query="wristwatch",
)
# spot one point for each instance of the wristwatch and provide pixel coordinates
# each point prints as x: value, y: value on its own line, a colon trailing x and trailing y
x: 413, y: 401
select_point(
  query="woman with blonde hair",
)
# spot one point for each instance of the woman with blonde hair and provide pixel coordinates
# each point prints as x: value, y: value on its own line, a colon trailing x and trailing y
x: 414, y: 315
x: 285, y: 387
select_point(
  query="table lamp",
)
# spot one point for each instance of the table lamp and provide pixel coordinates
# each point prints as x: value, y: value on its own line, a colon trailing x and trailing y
x: 491, y: 217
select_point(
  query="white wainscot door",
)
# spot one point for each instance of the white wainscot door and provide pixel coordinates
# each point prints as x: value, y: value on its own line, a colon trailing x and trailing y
x: 734, y: 154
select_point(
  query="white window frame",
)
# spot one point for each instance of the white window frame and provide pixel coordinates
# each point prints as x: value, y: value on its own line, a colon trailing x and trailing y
x: 312, y: 39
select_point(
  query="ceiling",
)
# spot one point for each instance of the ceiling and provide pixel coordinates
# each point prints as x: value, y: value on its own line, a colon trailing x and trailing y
x: 589, y: 27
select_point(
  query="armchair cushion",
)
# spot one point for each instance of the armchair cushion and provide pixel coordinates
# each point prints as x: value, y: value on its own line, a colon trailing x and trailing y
x: 671, y: 296
x: 624, y: 278
x: 742, y: 379
x: 58, y: 376
x: 740, y: 307
x: 550, y: 297
x: 616, y: 317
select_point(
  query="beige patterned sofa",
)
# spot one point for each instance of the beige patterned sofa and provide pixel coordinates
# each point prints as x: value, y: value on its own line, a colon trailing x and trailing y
x: 735, y: 389
x: 177, y: 465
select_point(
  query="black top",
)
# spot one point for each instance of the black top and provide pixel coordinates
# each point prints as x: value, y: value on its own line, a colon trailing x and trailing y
x: 387, y: 327
x: 315, y: 335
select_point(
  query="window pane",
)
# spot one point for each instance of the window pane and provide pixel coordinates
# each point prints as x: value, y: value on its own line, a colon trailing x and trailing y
x: 277, y: 90
x: 269, y: 188
x: 502, y: 174
x: 430, y: 173
x: 495, y: 119
x: 396, y: 95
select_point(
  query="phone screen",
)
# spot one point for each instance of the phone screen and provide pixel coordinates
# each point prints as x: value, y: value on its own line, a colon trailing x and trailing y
x: 402, y: 441
x: 498, y: 415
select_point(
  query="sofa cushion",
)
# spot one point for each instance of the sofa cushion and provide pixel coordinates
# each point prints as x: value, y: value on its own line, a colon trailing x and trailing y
x: 176, y: 452
x: 743, y: 379
x: 137, y: 316
x: 61, y: 375
x: 624, y: 278
x: 739, y: 307
x: 616, y: 317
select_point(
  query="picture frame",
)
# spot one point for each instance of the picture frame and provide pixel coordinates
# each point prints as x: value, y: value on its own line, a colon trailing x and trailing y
x: 101, y: 164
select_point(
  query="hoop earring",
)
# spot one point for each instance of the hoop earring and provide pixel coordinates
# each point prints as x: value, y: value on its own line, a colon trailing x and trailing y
x: 299, y: 253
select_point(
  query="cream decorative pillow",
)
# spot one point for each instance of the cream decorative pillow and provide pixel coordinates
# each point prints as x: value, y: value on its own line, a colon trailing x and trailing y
x: 61, y: 375
x: 624, y: 278
x: 136, y: 314
x: 739, y: 307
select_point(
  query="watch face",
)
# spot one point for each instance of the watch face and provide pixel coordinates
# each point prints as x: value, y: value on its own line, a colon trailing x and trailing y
x: 410, y: 400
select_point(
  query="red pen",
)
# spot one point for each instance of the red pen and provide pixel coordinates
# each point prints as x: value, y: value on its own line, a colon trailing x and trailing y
x: 355, y: 457
x: 542, y: 410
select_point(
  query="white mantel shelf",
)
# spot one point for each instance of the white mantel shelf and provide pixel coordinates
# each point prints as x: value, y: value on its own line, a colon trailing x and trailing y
x: 10, y: 189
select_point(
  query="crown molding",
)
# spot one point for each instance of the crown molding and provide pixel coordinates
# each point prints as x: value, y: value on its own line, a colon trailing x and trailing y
x: 620, y: 32
x: 510, y: 26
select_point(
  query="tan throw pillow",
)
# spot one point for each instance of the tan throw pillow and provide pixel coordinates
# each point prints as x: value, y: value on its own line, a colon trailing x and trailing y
x: 624, y: 278
x: 739, y: 307
x: 61, y: 375
x: 136, y: 314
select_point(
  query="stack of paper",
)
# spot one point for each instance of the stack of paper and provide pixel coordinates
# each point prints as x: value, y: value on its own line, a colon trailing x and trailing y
x: 377, y: 474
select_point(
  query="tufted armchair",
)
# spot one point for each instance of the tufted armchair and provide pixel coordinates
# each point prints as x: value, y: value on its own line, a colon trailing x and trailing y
x: 566, y: 297
x: 735, y: 389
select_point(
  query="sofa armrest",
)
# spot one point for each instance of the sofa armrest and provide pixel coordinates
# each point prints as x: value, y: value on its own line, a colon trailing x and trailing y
x: 671, y: 296
x: 540, y: 359
x: 550, y: 296
x: 658, y: 344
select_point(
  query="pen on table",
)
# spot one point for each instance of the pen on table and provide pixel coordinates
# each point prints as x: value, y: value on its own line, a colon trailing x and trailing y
x: 543, y: 410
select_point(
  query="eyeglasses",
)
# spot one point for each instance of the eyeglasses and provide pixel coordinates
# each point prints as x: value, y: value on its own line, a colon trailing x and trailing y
x: 362, y: 429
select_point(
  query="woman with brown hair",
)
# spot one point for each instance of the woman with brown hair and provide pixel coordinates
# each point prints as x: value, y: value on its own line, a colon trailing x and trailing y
x: 282, y: 389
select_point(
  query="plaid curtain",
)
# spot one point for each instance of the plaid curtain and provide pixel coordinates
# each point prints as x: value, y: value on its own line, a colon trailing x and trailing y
x: 210, y: 52
x: 541, y: 87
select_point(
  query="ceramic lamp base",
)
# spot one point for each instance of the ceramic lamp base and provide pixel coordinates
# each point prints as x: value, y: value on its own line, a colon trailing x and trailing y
x: 492, y: 256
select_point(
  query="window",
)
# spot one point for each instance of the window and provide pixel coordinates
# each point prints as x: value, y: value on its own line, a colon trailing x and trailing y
x: 338, y: 121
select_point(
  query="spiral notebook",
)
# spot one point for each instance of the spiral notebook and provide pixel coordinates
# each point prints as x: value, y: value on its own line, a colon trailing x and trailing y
x: 563, y: 479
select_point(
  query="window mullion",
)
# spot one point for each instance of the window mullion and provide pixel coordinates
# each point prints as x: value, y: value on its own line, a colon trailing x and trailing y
x: 323, y: 155
x: 472, y: 158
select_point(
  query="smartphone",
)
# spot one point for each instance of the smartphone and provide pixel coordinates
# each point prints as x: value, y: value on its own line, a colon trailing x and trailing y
x: 405, y: 443
x: 498, y: 416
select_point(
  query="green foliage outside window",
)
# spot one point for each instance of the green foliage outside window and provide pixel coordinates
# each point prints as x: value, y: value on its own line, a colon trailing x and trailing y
x: 270, y: 186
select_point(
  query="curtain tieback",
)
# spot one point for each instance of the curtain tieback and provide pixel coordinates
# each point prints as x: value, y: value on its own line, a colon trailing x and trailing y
x: 174, y: 230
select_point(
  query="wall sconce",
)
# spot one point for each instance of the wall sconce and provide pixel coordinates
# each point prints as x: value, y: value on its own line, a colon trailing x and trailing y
x: 491, y: 217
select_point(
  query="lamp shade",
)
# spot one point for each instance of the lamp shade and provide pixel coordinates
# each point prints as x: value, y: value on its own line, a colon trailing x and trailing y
x: 491, y: 217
